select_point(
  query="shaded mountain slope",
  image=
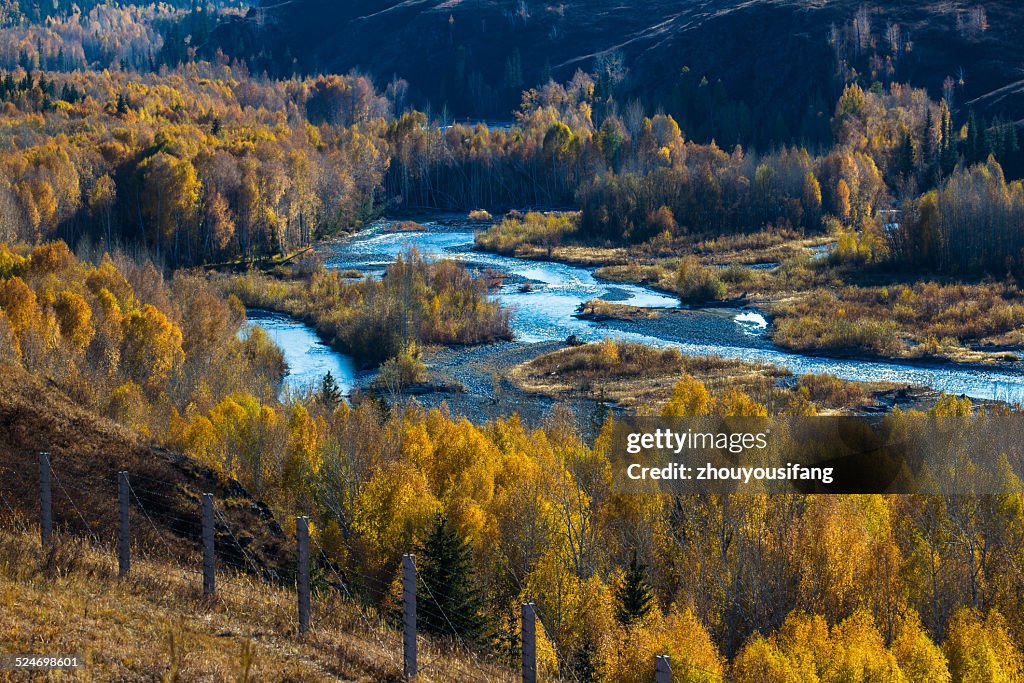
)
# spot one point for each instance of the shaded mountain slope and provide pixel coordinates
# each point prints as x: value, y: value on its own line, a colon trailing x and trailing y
x: 778, y: 56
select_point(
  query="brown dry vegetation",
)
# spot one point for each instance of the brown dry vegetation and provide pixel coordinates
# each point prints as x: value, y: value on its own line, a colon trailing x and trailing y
x: 841, y: 304
x: 642, y: 379
x: 832, y: 392
x: 635, y: 376
x: 911, y: 321
x: 404, y: 226
x: 534, y: 231
x: 70, y: 600
x: 599, y: 309
x: 86, y: 453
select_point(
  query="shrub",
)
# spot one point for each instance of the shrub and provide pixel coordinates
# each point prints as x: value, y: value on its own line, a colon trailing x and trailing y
x: 427, y: 301
x: 402, y: 370
x: 833, y: 392
x: 698, y: 283
x: 535, y: 229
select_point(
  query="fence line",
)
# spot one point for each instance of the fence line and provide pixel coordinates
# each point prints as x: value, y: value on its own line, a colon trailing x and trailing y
x: 209, y: 517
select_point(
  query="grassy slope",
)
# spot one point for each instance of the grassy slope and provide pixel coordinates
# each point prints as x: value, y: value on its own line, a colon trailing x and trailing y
x: 157, y: 626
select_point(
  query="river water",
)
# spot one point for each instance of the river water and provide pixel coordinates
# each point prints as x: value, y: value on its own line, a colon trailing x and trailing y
x: 545, y: 313
x: 308, y: 358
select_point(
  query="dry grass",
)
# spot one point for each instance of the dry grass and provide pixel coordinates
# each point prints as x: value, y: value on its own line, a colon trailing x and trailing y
x: 820, y: 305
x: 831, y: 392
x: 576, y: 255
x: 404, y: 226
x: 759, y: 247
x: 634, y: 376
x: 532, y: 231
x: 86, y: 453
x: 599, y: 309
x: 156, y: 625
x: 923, y: 320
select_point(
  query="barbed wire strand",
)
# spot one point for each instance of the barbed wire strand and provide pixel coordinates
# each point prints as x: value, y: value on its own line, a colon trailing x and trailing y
x: 88, y: 529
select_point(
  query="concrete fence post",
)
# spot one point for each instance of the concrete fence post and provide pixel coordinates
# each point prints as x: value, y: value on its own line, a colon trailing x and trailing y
x: 209, y: 562
x: 302, y: 535
x: 124, y: 562
x: 45, y: 500
x: 662, y: 669
x: 529, y: 630
x: 409, y: 615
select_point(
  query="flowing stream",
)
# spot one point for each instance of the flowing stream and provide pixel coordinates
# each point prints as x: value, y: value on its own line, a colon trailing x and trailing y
x: 308, y: 358
x: 544, y: 311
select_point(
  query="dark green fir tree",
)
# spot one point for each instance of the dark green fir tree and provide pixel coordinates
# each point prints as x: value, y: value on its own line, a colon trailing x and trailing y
x: 633, y: 599
x: 330, y: 394
x: 451, y: 604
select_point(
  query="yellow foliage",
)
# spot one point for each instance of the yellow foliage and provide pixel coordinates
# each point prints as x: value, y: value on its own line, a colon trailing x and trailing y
x: 152, y: 346
x: 859, y: 653
x: 981, y: 650
x: 74, y: 318
x: 690, y: 398
x: 920, y: 660
x: 393, y: 508
x: 107, y: 276
x: 304, y: 457
x: 18, y: 301
x: 51, y: 257
x: 737, y: 404
x: 629, y: 657
x: 761, y: 661
x: 949, y: 405
x: 11, y: 264
x: 806, y: 641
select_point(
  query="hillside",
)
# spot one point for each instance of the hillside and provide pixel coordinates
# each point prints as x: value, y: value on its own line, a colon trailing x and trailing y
x: 780, y: 56
x: 161, y: 624
x: 87, y: 452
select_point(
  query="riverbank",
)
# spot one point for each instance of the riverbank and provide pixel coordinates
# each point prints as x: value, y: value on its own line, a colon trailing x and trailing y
x: 640, y: 380
x: 680, y: 325
x: 825, y: 299
x: 432, y: 302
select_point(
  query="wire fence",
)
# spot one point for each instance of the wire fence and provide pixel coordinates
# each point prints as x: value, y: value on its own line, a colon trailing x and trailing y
x: 162, y: 520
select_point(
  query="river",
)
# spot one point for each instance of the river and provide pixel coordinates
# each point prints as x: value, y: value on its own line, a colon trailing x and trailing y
x: 544, y: 312
x: 308, y: 358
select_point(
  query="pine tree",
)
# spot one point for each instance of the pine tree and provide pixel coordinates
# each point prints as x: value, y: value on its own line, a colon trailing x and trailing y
x: 633, y: 599
x: 451, y: 603
x: 905, y: 156
x: 330, y: 394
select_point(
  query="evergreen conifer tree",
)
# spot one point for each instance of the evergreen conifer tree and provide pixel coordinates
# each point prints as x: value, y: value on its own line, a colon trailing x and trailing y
x: 451, y: 603
x: 330, y: 394
x: 633, y: 599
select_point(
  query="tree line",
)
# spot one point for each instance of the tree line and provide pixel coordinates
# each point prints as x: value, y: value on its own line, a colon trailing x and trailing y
x: 194, y: 166
x: 206, y: 163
